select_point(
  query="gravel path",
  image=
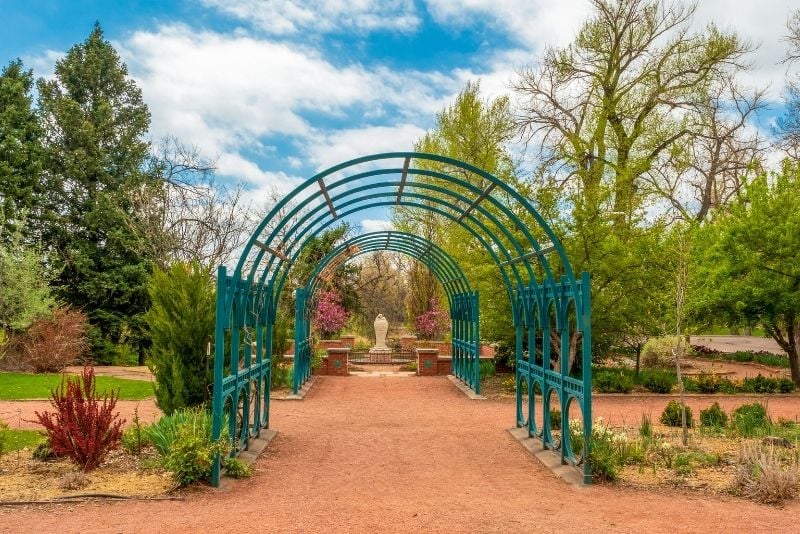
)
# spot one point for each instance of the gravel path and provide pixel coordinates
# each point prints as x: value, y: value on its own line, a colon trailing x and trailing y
x: 734, y: 343
x: 403, y: 455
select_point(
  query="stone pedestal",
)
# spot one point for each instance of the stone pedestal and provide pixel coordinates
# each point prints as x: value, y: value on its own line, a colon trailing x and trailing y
x: 427, y: 362
x: 337, y: 361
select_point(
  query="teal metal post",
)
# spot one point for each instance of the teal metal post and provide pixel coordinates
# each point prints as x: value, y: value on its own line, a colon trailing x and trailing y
x: 586, y: 368
x: 219, y: 358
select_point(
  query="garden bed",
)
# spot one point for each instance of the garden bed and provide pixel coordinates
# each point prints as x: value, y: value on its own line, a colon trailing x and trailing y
x: 23, y: 478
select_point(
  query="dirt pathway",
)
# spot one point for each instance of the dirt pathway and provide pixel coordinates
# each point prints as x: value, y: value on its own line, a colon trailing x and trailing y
x: 404, y: 455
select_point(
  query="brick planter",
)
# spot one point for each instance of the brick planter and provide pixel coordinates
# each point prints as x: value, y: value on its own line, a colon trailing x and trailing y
x: 337, y: 361
x: 427, y: 362
x: 445, y: 365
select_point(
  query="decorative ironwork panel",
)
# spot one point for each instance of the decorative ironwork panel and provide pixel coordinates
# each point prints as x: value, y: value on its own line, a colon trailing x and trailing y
x: 242, y: 363
x: 553, y: 333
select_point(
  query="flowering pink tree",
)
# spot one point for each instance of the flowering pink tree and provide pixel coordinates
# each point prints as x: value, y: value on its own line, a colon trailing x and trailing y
x: 330, y: 315
x: 433, y: 322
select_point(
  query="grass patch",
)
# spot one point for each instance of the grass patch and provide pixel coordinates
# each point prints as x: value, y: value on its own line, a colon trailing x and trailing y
x: 27, y: 386
x: 19, y: 439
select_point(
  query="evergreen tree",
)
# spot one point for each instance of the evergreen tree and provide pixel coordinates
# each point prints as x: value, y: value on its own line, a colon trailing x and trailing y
x: 181, y: 324
x: 20, y: 150
x: 94, y: 122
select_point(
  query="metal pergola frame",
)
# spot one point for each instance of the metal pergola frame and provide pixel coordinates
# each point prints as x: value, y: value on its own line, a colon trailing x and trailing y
x: 505, y: 225
x: 462, y: 301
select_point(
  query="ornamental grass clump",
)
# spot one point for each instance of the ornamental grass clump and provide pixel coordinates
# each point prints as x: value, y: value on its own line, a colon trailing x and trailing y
x: 767, y: 474
x: 84, y: 426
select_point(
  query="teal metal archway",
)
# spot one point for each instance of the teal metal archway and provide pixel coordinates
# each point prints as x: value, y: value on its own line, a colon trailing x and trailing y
x: 462, y: 301
x: 545, y: 294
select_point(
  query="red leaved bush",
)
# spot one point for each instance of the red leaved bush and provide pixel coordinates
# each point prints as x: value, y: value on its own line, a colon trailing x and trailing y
x: 55, y: 341
x: 84, y: 427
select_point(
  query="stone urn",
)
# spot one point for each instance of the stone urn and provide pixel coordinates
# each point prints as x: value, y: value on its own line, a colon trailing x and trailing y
x: 381, y: 329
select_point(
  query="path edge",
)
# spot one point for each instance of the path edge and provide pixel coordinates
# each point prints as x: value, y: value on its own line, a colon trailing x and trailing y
x: 301, y: 393
x: 256, y: 446
x: 464, y: 388
x: 548, y: 458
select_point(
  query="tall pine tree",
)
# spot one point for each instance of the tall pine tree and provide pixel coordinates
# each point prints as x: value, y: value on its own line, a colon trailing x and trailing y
x: 20, y: 152
x: 94, y: 123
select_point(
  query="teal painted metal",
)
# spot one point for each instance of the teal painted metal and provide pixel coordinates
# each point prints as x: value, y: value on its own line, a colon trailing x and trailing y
x: 242, y: 358
x: 463, y: 302
x: 506, y: 225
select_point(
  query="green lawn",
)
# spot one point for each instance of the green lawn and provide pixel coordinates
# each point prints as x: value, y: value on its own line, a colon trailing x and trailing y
x: 26, y: 386
x: 19, y: 439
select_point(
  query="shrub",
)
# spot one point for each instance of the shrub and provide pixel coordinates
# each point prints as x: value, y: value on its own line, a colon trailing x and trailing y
x: 612, y: 381
x: 671, y: 416
x: 657, y: 352
x: 685, y: 462
x: 764, y: 477
x: 44, y: 452
x: 509, y: 385
x: 135, y: 438
x: 191, y: 456
x: 433, y: 322
x: 555, y: 419
x: 25, y: 293
x: 82, y: 427
x: 487, y: 369
x: 713, y: 416
x: 786, y: 385
x: 330, y: 316
x: 3, y: 438
x: 646, y: 427
x: 609, y: 450
x: 282, y: 376
x: 181, y: 324
x: 236, y: 468
x: 54, y: 341
x: 164, y: 432
x: 659, y: 382
x: 750, y: 419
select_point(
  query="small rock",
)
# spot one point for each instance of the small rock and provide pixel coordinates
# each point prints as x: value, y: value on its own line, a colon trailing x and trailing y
x: 777, y: 441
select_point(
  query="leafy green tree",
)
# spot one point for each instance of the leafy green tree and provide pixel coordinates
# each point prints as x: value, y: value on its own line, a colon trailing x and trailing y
x: 24, y: 290
x: 94, y: 124
x: 610, y: 112
x: 604, y: 107
x: 20, y: 150
x: 181, y: 324
x: 474, y: 130
x: 746, y: 261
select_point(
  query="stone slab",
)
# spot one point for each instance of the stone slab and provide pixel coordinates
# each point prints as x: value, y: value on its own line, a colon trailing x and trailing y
x: 549, y: 459
x: 301, y: 394
x: 255, y: 448
x: 464, y: 388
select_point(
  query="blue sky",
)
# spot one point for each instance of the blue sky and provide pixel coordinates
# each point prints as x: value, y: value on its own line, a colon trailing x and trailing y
x: 279, y: 89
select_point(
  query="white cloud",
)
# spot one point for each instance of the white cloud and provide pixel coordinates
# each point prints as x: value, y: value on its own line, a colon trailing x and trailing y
x: 222, y: 91
x: 763, y: 23
x: 288, y: 17
x: 376, y: 225
x: 532, y: 23
x: 332, y: 147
